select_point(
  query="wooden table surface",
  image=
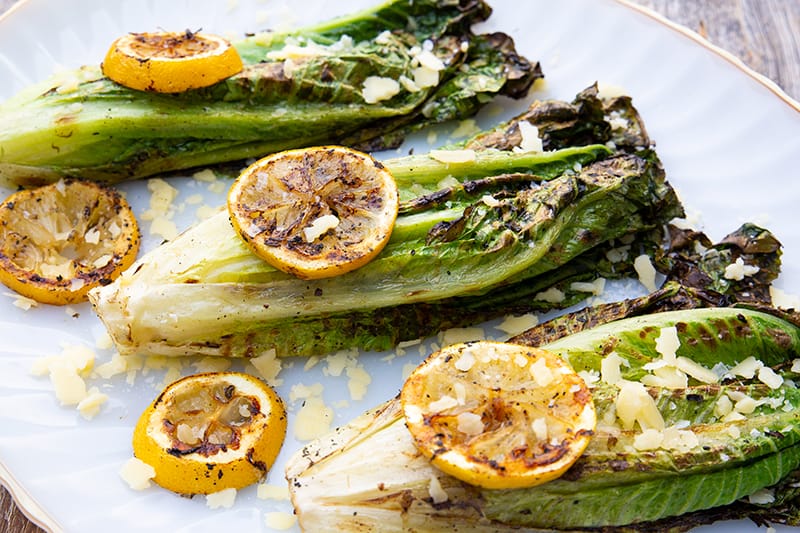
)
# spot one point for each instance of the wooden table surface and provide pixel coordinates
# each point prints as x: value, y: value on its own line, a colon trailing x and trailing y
x: 764, y: 34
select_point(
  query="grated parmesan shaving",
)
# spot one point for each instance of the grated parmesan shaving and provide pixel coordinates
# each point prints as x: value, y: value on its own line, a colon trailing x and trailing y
x: 137, y: 474
x: 610, y: 369
x: 469, y: 423
x: 92, y: 236
x: 319, y: 226
x: 737, y: 270
x: 437, y: 493
x: 530, y: 141
x: 377, y: 89
x: 265, y: 491
x: 221, y: 499
x: 646, y: 272
x: 280, y: 520
x: 539, y: 428
x: 513, y: 325
x: 541, y: 373
x: 551, y: 295
x: 466, y: 361
x: 452, y: 156
x: 442, y: 404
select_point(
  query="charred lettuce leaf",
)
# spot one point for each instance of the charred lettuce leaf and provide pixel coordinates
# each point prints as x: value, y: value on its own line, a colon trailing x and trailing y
x: 589, y: 118
x: 708, y: 460
x: 466, y: 260
x: 297, y: 89
x: 695, y: 272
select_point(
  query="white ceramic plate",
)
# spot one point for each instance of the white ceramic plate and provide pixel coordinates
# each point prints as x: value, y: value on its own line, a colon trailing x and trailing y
x: 730, y: 142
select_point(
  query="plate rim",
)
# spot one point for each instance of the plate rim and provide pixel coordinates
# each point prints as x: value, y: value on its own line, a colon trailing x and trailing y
x: 718, y: 50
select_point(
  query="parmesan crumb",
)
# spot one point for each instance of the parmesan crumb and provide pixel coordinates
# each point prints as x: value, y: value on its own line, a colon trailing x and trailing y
x: 22, y: 302
x: 268, y: 366
x: 452, y: 156
x: 280, y: 520
x: 596, y: 287
x: 723, y: 406
x: 221, y: 499
x: 590, y: 377
x: 514, y: 325
x: 541, y: 373
x: 206, y: 175
x: 102, y: 261
x: 737, y: 270
x: 437, y: 493
x: 762, y: 497
x: 680, y: 440
x: 428, y: 60
x: 358, y: 383
x: 634, y: 405
x: 608, y: 90
x: 265, y: 491
x: 649, y: 439
x: 92, y: 236
x: 458, y: 335
x: 313, y: 419
x: 466, y: 361
x: 442, y: 404
x: 489, y: 200
x: 784, y: 300
x: 551, y: 295
x: 294, y: 50
x: 469, y: 423
x: 646, y: 272
x: 194, y: 199
x: 377, y: 89
x: 747, y: 368
x: 137, y: 474
x: 211, y: 364
x: 530, y: 141
x: 384, y: 37
x: 696, y: 370
x: 768, y: 377
x: 162, y: 196
x: 319, y: 226
x: 70, y: 388
x: 408, y: 84
x: 610, y: 370
x: 539, y: 428
x: 425, y: 77
x: 117, y: 365
x: 413, y: 414
x: 90, y: 405
x: 164, y: 228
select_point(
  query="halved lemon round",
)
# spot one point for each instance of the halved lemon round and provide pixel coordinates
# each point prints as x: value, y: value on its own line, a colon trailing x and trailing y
x: 212, y: 431
x: 498, y: 415
x: 170, y: 62
x: 315, y: 212
x: 59, y: 241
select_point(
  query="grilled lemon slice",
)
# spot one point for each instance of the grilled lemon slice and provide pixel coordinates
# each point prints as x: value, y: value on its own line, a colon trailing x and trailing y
x: 170, y: 62
x: 59, y: 241
x: 212, y: 431
x: 315, y: 212
x: 498, y: 415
